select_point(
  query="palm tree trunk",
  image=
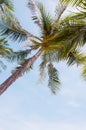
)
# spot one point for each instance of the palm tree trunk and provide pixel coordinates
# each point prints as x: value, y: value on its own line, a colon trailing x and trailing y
x: 18, y: 73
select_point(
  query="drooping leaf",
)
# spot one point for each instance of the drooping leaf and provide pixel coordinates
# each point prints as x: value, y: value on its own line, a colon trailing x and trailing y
x: 35, y: 12
x: 54, y: 82
x: 10, y: 27
x: 4, y: 48
x: 19, y: 55
x: 50, y: 55
x: 75, y: 57
x: 42, y: 70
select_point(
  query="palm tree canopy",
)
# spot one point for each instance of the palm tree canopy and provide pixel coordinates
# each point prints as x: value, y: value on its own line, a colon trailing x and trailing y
x: 60, y: 38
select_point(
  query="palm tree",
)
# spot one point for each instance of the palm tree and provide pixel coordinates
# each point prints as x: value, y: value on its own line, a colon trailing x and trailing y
x: 60, y: 40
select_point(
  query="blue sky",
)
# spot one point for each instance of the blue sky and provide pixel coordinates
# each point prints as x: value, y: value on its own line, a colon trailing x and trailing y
x: 29, y: 105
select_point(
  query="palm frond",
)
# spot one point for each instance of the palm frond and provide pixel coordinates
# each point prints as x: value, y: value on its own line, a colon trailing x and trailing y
x: 65, y: 51
x: 54, y: 82
x: 66, y: 35
x: 60, y: 8
x: 2, y: 66
x: 75, y: 24
x: 19, y: 56
x: 50, y: 55
x: 80, y: 3
x: 75, y: 57
x: 7, y: 4
x: 4, y: 48
x: 46, y: 20
x: 34, y: 10
x: 10, y: 27
x: 4, y: 52
x: 84, y: 71
x: 81, y: 15
x: 74, y: 19
x: 42, y: 70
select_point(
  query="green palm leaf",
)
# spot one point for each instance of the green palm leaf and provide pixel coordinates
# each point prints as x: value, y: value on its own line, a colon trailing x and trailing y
x: 75, y: 57
x: 4, y: 48
x: 80, y: 3
x: 12, y: 29
x: 84, y: 72
x: 46, y: 20
x: 54, y: 82
x: 7, y: 4
x: 2, y: 65
x: 4, y: 52
x: 50, y: 55
x: 19, y: 55
x: 42, y: 70
x: 69, y: 33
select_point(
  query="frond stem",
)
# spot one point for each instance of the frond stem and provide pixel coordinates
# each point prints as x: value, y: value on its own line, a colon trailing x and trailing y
x: 33, y: 36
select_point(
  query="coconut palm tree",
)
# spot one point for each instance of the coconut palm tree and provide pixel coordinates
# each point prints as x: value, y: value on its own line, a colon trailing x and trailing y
x: 60, y: 40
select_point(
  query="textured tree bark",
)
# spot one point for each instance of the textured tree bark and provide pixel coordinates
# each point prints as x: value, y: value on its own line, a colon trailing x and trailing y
x: 18, y: 73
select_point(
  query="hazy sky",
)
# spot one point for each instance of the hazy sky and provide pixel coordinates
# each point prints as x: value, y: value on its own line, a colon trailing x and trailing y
x: 29, y: 105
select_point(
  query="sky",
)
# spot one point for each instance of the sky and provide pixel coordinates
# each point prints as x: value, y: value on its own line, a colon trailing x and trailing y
x: 30, y: 105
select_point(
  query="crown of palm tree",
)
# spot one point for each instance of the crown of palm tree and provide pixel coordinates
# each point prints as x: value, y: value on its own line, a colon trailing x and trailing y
x: 60, y: 39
